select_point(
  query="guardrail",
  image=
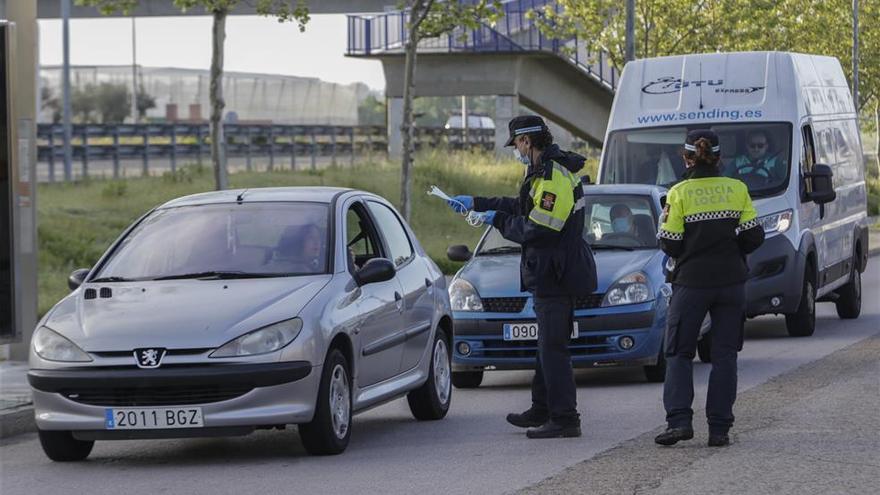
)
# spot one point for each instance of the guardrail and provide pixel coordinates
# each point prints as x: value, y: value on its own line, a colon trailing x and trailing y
x: 516, y: 31
x: 172, y: 142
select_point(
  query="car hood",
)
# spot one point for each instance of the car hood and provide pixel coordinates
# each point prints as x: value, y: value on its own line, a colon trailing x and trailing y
x: 498, y: 276
x: 179, y: 314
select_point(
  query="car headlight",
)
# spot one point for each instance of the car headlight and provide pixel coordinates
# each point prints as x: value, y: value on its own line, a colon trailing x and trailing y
x: 262, y: 341
x: 630, y: 289
x: 464, y: 297
x: 776, y: 222
x: 51, y: 346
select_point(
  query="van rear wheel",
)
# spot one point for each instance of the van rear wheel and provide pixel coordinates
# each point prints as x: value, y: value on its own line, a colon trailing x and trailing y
x: 467, y: 379
x: 849, y: 300
x: 802, y: 323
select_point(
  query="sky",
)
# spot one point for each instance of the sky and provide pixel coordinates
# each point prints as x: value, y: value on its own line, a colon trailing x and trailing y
x: 253, y: 44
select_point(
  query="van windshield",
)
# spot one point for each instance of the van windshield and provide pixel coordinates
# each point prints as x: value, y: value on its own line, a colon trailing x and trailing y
x: 759, y: 154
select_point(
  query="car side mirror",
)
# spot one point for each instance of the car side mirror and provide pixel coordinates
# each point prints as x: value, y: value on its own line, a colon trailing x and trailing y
x: 823, y: 189
x: 459, y: 253
x: 77, y: 278
x: 375, y: 270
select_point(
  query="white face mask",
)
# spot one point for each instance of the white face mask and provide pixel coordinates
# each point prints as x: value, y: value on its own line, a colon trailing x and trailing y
x: 522, y: 158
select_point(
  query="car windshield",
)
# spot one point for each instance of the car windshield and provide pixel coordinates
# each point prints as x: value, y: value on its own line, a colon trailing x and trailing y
x: 224, y: 241
x: 756, y: 153
x: 612, y: 221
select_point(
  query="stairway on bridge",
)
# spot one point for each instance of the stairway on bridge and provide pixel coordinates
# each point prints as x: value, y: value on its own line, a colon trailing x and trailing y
x: 562, y: 79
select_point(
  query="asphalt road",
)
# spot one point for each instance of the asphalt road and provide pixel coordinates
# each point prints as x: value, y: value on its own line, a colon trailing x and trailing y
x: 473, y: 450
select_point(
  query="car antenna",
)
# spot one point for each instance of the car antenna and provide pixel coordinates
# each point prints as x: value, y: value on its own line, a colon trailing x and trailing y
x: 701, y: 85
x: 240, y: 197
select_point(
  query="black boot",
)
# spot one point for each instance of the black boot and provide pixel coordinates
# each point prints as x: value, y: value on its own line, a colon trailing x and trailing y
x: 674, y: 435
x: 555, y: 430
x: 719, y: 440
x: 527, y: 419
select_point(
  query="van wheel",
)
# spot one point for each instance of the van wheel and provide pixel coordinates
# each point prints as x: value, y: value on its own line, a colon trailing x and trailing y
x: 431, y: 400
x: 704, y: 348
x: 330, y: 430
x: 467, y: 379
x: 802, y: 323
x: 60, y: 446
x: 656, y: 373
x: 849, y: 301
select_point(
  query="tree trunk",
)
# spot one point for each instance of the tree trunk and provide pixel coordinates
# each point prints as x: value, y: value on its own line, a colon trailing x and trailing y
x: 406, y: 128
x: 877, y: 133
x: 218, y: 141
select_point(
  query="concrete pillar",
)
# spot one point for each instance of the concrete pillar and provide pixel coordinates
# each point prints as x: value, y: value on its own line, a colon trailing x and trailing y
x: 24, y: 118
x: 394, y: 119
x: 506, y: 108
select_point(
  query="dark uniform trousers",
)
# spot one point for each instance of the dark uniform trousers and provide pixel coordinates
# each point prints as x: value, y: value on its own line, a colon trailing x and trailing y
x: 726, y: 306
x: 553, y: 387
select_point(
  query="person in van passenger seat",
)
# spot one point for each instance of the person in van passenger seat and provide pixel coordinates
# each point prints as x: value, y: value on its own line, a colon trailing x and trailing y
x: 758, y: 159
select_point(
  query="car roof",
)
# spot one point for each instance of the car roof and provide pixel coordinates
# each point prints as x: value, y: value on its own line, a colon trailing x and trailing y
x: 303, y: 193
x: 639, y: 189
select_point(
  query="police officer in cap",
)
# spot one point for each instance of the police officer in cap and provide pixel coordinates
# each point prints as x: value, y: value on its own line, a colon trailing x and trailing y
x: 556, y: 266
x: 708, y: 226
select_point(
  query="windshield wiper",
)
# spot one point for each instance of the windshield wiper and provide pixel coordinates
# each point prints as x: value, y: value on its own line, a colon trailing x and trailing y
x: 611, y: 246
x: 110, y: 279
x: 219, y: 275
x: 501, y: 250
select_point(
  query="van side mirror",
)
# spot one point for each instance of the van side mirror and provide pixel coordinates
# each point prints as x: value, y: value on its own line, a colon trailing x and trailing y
x: 375, y: 270
x: 459, y: 253
x: 823, y: 189
x: 77, y: 278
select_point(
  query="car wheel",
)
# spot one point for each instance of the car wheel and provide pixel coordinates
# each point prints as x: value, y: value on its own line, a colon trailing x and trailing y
x: 802, y: 323
x: 656, y: 373
x: 60, y: 446
x: 431, y: 400
x: 849, y: 300
x: 330, y: 430
x: 467, y: 379
x: 704, y: 348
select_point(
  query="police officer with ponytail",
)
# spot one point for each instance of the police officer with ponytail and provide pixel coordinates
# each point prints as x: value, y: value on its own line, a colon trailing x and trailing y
x: 708, y: 226
x: 556, y: 266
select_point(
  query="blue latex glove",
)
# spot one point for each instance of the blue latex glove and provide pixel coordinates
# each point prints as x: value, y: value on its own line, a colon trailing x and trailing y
x: 458, y: 201
x: 489, y: 217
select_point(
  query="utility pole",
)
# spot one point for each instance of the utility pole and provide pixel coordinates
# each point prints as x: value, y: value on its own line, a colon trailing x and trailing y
x: 65, y: 88
x: 630, y: 30
x: 855, y: 54
x: 134, y: 74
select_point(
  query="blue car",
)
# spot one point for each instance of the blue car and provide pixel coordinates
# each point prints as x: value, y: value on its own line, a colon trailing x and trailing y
x: 621, y: 324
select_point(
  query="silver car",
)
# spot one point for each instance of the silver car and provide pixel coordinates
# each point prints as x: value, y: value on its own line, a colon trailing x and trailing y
x: 224, y: 312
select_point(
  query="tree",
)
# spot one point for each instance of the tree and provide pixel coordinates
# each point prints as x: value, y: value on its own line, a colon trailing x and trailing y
x: 49, y: 101
x: 283, y: 10
x: 111, y: 102
x: 83, y: 102
x: 144, y: 102
x: 428, y: 19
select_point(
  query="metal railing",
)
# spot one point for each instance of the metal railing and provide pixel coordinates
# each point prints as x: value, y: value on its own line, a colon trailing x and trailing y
x: 516, y: 31
x: 281, y: 144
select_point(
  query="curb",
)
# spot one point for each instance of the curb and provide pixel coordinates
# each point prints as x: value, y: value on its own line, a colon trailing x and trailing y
x: 17, y: 420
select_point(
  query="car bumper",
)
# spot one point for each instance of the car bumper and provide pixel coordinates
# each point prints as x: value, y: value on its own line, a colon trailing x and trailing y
x: 775, y: 276
x: 597, y: 344
x: 234, y: 398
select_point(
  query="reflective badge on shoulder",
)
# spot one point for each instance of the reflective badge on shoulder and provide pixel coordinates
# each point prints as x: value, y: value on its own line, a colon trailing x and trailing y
x: 548, y: 201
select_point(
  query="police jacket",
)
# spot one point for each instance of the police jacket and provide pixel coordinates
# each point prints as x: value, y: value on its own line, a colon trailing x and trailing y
x: 709, y: 225
x: 547, y: 220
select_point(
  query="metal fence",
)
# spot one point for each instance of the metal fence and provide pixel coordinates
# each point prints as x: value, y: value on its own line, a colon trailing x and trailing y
x: 517, y: 31
x: 301, y: 146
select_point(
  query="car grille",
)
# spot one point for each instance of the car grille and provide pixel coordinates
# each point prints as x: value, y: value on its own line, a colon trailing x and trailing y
x: 581, y: 346
x: 164, y: 396
x: 504, y: 304
x: 589, y: 302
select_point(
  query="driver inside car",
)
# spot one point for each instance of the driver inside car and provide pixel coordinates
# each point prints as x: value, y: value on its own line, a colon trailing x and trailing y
x: 758, y: 160
x: 301, y: 247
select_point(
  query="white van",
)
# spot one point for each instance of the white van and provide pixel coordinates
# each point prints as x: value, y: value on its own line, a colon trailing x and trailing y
x: 788, y: 129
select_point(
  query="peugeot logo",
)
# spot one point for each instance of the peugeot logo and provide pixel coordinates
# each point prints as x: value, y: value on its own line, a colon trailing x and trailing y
x: 149, y: 358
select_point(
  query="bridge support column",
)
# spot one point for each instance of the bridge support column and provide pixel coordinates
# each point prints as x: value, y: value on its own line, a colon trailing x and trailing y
x: 394, y: 120
x: 506, y: 108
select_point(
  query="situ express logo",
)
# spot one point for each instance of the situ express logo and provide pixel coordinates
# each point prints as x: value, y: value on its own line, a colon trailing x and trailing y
x: 667, y: 85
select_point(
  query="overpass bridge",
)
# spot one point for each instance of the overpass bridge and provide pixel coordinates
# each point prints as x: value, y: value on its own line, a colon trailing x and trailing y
x: 51, y: 9
x: 513, y: 60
